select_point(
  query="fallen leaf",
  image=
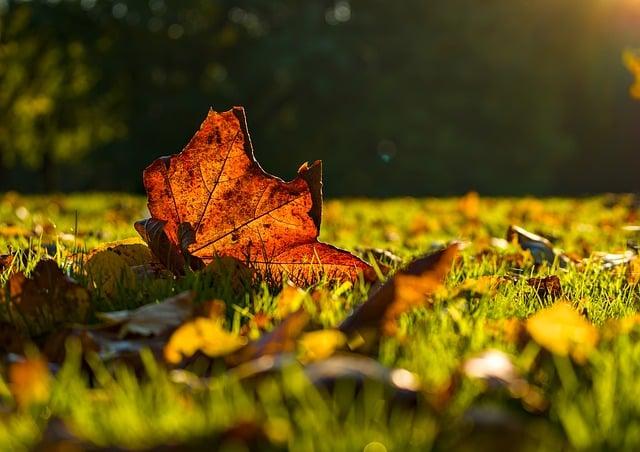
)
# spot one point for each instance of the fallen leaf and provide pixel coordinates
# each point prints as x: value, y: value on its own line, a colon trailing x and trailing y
x: 563, y: 331
x: 540, y: 247
x: 6, y: 262
x: 201, y: 334
x: 511, y: 330
x: 30, y: 382
x: 213, y: 199
x: 132, y: 250
x: 479, y: 287
x: 289, y: 300
x: 109, y: 273
x: 469, y: 205
x: 408, y: 288
x: 547, y: 287
x: 617, y: 327
x: 633, y: 272
x: 230, y: 269
x: 282, y: 339
x: 14, y: 231
x: 46, y: 300
x: 611, y: 260
x: 152, y: 319
x: 321, y: 344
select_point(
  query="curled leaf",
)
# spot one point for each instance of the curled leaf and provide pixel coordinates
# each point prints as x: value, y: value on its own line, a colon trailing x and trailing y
x: 409, y: 288
x: 213, y: 199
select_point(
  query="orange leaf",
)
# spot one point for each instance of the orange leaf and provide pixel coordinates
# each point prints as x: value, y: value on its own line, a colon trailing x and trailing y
x: 213, y: 199
x: 408, y: 288
x: 30, y: 382
x: 282, y: 339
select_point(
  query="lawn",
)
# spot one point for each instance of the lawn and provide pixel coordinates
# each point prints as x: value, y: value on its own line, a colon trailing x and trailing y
x: 484, y: 363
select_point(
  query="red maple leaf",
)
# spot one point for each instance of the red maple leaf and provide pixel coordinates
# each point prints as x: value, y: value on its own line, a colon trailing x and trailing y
x: 213, y: 199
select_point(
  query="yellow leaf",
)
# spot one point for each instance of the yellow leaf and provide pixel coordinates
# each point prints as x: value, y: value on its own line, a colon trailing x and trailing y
x: 319, y: 345
x: 108, y: 271
x: 201, y: 334
x: 30, y: 382
x: 617, y: 327
x: 289, y: 300
x: 632, y: 62
x: 563, y: 331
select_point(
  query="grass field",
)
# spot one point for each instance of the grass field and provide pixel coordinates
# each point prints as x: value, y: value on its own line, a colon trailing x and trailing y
x: 572, y: 387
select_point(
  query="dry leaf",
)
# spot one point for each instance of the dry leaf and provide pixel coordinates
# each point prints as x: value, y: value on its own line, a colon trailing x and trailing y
x: 407, y: 289
x: 469, y: 205
x: 201, y: 334
x: 633, y: 272
x: 153, y: 319
x: 563, y: 331
x: 282, y: 339
x: 213, y: 199
x: 30, y: 382
x: 547, y: 287
x: 540, y: 247
x: 46, y: 300
x: 108, y: 273
x: 132, y: 250
x: 321, y: 344
x: 289, y: 300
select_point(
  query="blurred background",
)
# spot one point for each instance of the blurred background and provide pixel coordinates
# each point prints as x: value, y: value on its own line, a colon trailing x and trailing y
x: 412, y: 97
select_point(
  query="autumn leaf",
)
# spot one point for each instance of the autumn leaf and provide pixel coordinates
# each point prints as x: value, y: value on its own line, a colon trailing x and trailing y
x: 152, y: 319
x: 30, y: 382
x: 408, y: 288
x: 46, y: 300
x: 540, y: 247
x: 319, y: 345
x: 631, y: 60
x: 549, y: 286
x: 213, y: 199
x: 282, y: 339
x: 202, y: 334
x: 563, y: 331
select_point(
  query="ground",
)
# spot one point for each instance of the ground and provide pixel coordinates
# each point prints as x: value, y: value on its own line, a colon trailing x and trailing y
x: 566, y: 377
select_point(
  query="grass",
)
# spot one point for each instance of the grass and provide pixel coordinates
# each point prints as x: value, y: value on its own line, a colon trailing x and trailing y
x: 590, y: 405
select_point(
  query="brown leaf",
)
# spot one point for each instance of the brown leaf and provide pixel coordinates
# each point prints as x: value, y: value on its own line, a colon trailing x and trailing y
x: 282, y: 339
x: 48, y: 299
x: 408, y: 288
x: 152, y: 319
x: 213, y: 199
x: 547, y: 287
x: 6, y: 261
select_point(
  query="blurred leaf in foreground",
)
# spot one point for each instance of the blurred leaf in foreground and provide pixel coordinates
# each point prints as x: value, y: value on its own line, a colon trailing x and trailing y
x: 563, y: 331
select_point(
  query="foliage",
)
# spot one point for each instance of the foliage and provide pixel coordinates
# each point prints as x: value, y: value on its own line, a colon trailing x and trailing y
x: 546, y: 390
x: 420, y: 98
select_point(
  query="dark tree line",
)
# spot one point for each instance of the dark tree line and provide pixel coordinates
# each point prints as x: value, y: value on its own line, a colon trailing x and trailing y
x: 413, y: 97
